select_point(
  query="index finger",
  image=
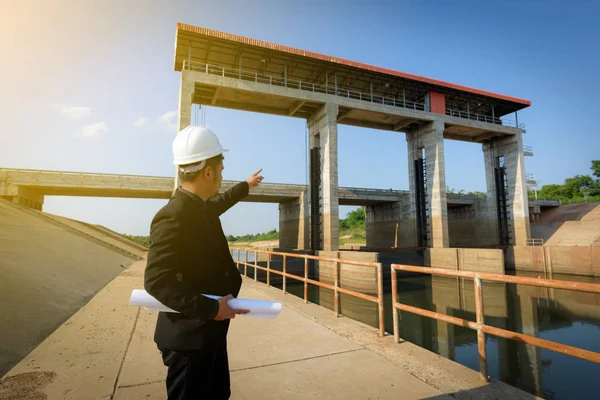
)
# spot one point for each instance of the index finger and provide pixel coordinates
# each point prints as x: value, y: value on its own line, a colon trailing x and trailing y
x: 241, y: 311
x: 257, y: 172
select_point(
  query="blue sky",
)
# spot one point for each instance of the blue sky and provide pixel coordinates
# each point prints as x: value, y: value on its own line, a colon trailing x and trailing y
x: 76, y: 76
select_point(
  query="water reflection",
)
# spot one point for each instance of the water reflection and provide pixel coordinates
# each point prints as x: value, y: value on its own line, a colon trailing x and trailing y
x: 567, y: 317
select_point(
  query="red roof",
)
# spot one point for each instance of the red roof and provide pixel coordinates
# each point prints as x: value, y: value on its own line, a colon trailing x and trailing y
x: 317, y: 56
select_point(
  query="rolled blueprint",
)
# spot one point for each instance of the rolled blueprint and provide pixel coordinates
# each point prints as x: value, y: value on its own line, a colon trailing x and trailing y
x: 257, y: 308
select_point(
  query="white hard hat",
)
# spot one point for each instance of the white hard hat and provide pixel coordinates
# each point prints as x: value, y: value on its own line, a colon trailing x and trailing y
x: 193, y: 145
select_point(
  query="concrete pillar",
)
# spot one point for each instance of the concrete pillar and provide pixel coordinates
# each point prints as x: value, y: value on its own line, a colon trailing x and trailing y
x: 431, y: 138
x: 184, y: 116
x: 25, y: 196
x: 294, y: 223
x: 186, y: 96
x: 322, y: 131
x: 511, y: 148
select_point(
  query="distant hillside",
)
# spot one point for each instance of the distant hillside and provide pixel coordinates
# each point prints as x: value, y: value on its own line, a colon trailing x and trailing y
x: 143, y: 240
x: 352, y: 229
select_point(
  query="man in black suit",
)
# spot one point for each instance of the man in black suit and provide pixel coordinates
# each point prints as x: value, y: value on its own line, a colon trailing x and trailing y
x: 189, y: 256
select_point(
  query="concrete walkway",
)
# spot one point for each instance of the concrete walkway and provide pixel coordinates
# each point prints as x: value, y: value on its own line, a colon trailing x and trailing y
x: 105, y: 351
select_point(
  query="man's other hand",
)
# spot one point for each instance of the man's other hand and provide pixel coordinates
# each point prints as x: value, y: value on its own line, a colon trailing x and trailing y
x: 255, y: 179
x: 225, y: 312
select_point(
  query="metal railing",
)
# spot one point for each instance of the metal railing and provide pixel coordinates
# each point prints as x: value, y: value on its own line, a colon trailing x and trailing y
x: 238, y: 73
x: 549, y: 203
x: 483, y: 118
x: 335, y: 287
x: 479, y: 325
x: 475, y: 117
x: 535, y: 242
x: 73, y: 173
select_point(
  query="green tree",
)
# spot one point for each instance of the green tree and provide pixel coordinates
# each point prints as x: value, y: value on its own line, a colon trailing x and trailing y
x: 577, y: 186
x: 596, y: 168
x: 552, y: 191
x: 594, y: 189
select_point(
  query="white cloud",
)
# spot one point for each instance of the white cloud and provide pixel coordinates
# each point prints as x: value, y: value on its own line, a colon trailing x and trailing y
x: 74, y: 112
x: 94, y: 130
x: 168, y: 120
x: 140, y: 122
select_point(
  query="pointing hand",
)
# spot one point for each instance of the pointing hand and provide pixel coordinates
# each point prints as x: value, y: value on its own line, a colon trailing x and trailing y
x: 255, y: 179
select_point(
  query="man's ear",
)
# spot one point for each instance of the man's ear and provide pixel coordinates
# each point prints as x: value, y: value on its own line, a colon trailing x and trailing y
x: 209, y: 173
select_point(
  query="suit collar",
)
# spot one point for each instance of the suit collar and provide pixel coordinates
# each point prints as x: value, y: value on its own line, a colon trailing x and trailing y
x: 190, y: 199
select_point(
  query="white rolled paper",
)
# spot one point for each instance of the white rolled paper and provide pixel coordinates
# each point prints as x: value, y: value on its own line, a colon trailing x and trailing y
x: 257, y: 308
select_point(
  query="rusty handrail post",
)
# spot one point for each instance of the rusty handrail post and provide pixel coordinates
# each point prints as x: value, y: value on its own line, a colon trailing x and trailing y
x: 284, y: 273
x: 305, y: 279
x: 255, y: 264
x: 269, y: 270
x: 394, y: 301
x: 483, y: 371
x: 336, y: 296
x: 245, y: 263
x: 380, y: 300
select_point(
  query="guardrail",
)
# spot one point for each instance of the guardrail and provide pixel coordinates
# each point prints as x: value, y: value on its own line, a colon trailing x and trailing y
x: 94, y: 174
x: 335, y: 287
x: 535, y: 242
x: 479, y: 325
x: 238, y: 73
x: 539, y: 202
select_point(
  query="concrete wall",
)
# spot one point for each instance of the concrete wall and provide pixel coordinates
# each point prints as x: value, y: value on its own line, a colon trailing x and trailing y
x: 476, y: 260
x: 353, y: 277
x: 471, y: 226
x: 550, y: 260
x: 294, y: 224
x: 462, y: 226
x: 389, y: 225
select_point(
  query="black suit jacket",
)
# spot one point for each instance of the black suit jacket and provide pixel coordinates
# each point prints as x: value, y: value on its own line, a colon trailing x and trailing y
x: 189, y: 256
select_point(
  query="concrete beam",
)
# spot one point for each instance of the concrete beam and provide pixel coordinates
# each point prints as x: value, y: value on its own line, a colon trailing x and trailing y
x: 215, y: 96
x: 485, y: 136
x: 404, y: 123
x: 342, y: 116
x: 296, y: 108
x: 260, y: 90
x: 457, y: 137
x: 369, y: 124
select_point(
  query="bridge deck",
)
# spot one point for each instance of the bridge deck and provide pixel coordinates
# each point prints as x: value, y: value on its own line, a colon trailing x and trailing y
x: 67, y: 183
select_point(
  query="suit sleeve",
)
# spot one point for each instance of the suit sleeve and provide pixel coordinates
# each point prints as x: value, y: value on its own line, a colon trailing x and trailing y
x: 223, y: 202
x: 160, y: 277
